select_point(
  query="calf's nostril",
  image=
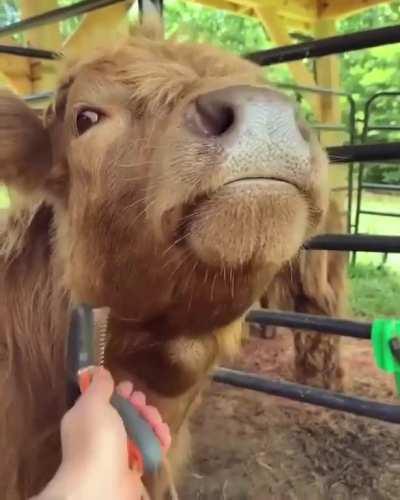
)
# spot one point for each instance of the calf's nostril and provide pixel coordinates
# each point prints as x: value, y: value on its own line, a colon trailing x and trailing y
x: 211, y: 118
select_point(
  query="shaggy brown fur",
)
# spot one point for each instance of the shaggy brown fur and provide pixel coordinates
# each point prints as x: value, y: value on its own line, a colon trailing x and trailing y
x: 128, y: 202
x: 314, y: 283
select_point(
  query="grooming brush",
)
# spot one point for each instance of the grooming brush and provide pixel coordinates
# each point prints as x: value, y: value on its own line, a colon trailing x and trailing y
x: 148, y: 438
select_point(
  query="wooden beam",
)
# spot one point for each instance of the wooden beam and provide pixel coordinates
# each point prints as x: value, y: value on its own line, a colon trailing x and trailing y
x: 96, y: 27
x: 44, y: 73
x: 48, y: 36
x: 17, y: 71
x: 279, y: 34
x: 328, y: 76
x: 302, y: 11
x: 247, y: 9
x: 334, y: 9
x: 224, y: 5
x: 299, y: 10
x: 5, y: 81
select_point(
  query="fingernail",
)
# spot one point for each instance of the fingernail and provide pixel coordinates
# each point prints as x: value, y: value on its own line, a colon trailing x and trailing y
x: 138, y: 398
x: 125, y: 389
x: 100, y: 373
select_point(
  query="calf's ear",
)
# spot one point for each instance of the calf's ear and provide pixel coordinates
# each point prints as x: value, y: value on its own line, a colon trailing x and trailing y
x: 25, y: 147
x: 151, y: 19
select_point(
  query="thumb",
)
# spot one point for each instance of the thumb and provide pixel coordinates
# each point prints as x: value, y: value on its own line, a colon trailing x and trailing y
x: 101, y: 387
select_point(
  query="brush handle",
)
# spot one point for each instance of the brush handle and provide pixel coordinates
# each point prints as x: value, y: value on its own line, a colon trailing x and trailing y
x: 139, y: 433
x: 144, y: 446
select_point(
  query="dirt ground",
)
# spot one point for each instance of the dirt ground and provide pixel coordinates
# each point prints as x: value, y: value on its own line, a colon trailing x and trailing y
x: 252, y: 446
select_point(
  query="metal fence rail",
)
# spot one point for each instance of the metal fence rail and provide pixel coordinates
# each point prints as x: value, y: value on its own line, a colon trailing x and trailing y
x: 381, y: 187
x: 40, y: 97
x: 328, y: 46
x: 15, y: 50
x: 56, y: 15
x: 354, y: 243
x: 323, y: 324
x: 312, y: 89
x: 305, y: 394
x: 365, y: 153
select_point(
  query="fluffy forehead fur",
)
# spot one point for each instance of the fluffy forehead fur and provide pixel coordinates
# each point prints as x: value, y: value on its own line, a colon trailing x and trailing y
x: 158, y: 72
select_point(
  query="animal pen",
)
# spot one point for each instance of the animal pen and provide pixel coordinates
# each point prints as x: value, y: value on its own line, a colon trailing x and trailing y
x: 30, y: 72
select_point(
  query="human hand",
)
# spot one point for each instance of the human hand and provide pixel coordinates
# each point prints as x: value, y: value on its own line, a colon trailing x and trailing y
x: 94, y: 444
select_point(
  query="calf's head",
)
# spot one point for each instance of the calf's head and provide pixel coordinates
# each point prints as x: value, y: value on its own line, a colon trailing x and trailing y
x: 180, y: 182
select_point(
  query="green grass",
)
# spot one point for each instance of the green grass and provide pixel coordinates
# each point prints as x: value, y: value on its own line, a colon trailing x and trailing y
x: 374, y: 292
x: 374, y: 224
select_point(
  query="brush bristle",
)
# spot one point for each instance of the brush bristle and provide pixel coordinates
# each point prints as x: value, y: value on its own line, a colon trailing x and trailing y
x: 101, y: 333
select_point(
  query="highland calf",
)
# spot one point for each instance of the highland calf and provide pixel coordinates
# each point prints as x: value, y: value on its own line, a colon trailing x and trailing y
x: 167, y: 183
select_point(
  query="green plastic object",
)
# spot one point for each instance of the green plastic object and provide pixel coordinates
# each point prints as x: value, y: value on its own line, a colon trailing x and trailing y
x: 385, y: 333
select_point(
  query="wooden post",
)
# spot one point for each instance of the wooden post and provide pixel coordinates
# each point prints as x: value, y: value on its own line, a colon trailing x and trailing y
x: 317, y: 356
x: 96, y: 28
x: 43, y: 73
x: 16, y: 71
x: 334, y: 9
x: 279, y: 34
x: 328, y: 76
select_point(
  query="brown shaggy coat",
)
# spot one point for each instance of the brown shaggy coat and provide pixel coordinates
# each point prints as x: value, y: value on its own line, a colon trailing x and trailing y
x: 126, y: 200
x: 314, y: 283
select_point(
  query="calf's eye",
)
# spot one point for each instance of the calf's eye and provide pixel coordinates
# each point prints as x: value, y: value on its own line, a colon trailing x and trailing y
x: 85, y: 119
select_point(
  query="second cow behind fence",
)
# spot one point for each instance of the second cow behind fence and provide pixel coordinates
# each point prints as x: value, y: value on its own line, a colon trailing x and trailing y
x: 314, y: 282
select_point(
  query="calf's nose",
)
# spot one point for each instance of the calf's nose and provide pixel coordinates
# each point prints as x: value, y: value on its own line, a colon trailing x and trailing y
x: 225, y: 111
x: 245, y: 119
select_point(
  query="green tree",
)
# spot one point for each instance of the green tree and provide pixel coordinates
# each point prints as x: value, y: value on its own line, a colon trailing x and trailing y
x: 367, y: 72
x: 9, y: 12
x: 239, y: 34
